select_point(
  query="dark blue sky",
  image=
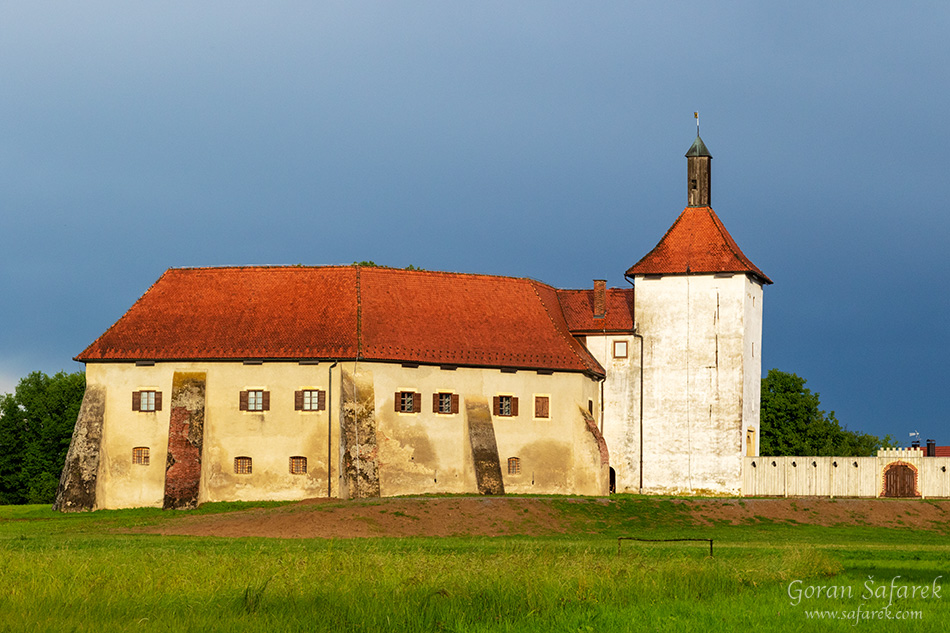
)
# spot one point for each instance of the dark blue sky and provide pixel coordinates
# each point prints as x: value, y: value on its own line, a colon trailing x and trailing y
x: 527, y: 139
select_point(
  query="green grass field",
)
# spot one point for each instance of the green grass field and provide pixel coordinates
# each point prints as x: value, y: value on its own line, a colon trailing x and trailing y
x: 87, y: 572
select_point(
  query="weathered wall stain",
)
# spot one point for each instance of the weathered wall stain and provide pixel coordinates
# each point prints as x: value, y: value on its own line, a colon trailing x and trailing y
x: 407, y: 457
x: 77, y: 483
x: 481, y: 434
x: 360, y: 453
x: 185, y: 439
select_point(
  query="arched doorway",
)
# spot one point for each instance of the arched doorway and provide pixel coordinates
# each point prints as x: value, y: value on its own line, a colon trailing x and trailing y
x: 613, y: 480
x: 900, y: 480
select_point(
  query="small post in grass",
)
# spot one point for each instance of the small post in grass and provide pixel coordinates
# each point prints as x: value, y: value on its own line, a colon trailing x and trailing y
x: 662, y: 540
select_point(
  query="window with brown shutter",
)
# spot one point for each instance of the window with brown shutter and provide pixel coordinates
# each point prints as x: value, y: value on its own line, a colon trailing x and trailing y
x: 505, y: 406
x: 255, y: 400
x: 514, y: 466
x: 310, y: 400
x: 147, y: 401
x: 407, y: 402
x: 445, y: 403
x: 542, y: 406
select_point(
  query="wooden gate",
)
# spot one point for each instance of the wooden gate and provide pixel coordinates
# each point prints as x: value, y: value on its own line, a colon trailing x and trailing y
x: 900, y: 481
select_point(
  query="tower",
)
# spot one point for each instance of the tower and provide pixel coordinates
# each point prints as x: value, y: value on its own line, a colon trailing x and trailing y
x: 698, y: 173
x: 698, y: 309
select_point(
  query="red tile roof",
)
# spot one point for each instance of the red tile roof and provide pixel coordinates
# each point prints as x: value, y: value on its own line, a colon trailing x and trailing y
x: 696, y: 243
x: 578, y: 308
x: 942, y: 451
x: 341, y: 312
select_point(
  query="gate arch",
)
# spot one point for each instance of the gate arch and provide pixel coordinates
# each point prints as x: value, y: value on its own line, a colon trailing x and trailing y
x: 899, y: 480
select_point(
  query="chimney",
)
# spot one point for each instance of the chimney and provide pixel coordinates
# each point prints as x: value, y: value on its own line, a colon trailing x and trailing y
x: 931, y: 448
x: 600, y: 298
x: 915, y: 444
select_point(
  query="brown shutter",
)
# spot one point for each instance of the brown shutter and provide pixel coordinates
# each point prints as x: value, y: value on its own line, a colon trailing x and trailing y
x: 396, y: 400
x: 298, y: 401
x: 496, y: 406
x: 541, y: 406
x: 321, y: 400
x: 265, y: 401
x: 243, y: 401
x: 455, y: 403
x: 514, y: 406
x: 416, y: 402
x: 435, y: 403
x: 136, y: 400
x: 158, y: 400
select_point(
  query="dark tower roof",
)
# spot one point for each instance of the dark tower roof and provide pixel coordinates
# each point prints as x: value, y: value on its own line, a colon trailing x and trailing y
x: 698, y: 148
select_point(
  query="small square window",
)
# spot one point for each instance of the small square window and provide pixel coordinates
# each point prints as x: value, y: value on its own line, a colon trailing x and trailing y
x: 242, y: 465
x: 542, y: 406
x: 298, y: 465
x: 620, y: 349
x: 140, y: 455
x: 514, y: 466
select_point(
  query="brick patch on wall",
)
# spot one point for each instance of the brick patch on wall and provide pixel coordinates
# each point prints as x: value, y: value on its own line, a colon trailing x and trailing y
x: 185, y: 436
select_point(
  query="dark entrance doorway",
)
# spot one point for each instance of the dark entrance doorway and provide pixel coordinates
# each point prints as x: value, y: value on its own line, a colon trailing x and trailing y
x: 899, y: 481
x: 613, y: 481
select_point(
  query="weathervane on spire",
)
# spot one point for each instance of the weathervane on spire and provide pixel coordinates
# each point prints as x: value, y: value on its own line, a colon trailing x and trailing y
x: 696, y: 116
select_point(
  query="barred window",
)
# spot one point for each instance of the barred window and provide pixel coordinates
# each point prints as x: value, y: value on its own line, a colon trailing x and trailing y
x: 242, y: 465
x: 298, y: 465
x: 140, y: 455
x: 514, y: 466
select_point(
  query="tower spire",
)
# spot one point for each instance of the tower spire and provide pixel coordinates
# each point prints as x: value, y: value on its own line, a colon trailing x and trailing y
x: 698, y: 172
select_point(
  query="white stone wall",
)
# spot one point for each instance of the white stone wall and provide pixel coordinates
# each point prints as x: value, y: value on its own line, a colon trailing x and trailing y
x: 702, y: 366
x: 621, y: 406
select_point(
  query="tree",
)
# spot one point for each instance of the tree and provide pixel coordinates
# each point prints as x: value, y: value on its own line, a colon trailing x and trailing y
x: 792, y: 423
x: 36, y: 426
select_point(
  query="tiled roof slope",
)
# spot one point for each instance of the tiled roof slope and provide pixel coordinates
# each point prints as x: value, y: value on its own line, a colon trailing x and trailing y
x: 232, y: 313
x: 578, y: 308
x: 696, y: 243
x: 334, y: 312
